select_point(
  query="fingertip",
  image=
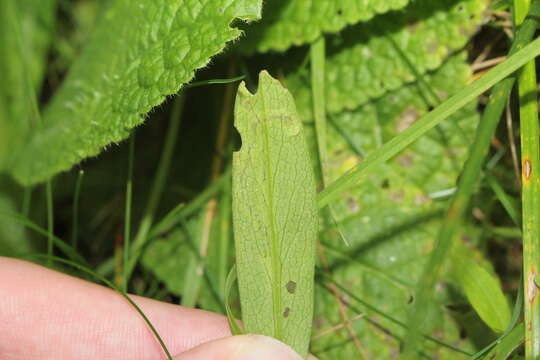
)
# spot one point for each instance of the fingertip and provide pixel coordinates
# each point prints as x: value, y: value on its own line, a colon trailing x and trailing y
x: 241, y: 347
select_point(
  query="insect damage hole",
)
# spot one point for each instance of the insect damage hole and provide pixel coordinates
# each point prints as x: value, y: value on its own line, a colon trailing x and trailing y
x: 286, y: 312
x: 236, y: 139
x: 291, y: 287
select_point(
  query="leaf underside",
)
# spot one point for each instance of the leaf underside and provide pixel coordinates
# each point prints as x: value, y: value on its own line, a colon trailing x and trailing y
x: 274, y: 216
x: 141, y: 51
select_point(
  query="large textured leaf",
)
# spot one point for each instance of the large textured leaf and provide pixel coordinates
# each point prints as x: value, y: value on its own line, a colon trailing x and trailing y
x: 142, y: 51
x: 390, y: 218
x: 274, y: 216
x: 368, y: 60
x: 25, y: 33
x: 295, y: 22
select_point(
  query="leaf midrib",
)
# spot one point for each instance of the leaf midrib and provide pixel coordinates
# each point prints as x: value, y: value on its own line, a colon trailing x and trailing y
x: 274, y: 246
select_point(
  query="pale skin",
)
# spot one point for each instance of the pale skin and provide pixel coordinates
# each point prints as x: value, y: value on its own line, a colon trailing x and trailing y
x: 48, y: 315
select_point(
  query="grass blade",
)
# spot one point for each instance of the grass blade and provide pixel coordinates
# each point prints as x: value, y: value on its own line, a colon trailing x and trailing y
x: 127, y: 211
x: 75, y: 216
x: 530, y: 195
x: 274, y: 216
x: 50, y: 220
x: 157, y: 186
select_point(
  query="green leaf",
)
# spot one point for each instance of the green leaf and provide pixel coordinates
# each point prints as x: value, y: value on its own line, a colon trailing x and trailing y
x: 296, y: 22
x: 508, y: 345
x: 141, y: 51
x: 26, y: 28
x: 367, y: 60
x: 274, y: 216
x: 411, y: 134
x: 390, y: 218
x: 483, y: 289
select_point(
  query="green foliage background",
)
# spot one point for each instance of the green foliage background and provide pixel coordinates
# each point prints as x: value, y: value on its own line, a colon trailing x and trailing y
x: 101, y: 69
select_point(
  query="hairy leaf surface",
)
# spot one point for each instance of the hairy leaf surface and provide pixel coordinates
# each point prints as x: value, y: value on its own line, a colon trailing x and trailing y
x: 274, y: 216
x: 141, y: 51
x: 368, y: 60
x: 296, y: 22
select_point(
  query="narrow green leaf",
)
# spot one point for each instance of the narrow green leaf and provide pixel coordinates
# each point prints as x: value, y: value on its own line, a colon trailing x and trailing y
x: 274, y: 216
x: 530, y: 191
x: 141, y: 51
x: 508, y: 344
x: 483, y: 290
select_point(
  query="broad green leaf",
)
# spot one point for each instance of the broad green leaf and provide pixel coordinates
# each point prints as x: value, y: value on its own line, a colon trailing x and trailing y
x: 26, y: 28
x: 296, y: 22
x: 391, y: 218
x: 367, y: 60
x: 482, y: 288
x: 274, y: 216
x: 140, y: 52
x: 411, y: 134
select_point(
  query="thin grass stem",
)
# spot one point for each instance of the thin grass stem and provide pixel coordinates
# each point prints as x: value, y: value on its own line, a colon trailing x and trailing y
x: 27, y: 201
x: 157, y: 186
x: 50, y: 221
x: 75, y: 215
x: 127, y: 210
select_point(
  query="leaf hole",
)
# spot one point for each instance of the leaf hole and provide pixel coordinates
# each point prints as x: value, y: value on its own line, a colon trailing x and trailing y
x: 236, y: 140
x: 286, y: 312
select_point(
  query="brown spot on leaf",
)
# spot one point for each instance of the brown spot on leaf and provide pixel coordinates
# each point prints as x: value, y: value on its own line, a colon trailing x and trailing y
x: 407, y: 118
x: 421, y: 199
x: 397, y: 196
x: 527, y: 169
x: 286, y: 312
x: 291, y: 287
x: 353, y: 205
x: 406, y: 160
x: 532, y: 289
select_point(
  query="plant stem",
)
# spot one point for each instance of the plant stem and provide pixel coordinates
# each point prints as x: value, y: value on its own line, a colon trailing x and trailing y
x: 460, y: 200
x: 317, y: 60
x: 50, y: 222
x: 127, y: 211
x: 530, y: 179
x: 157, y: 185
x: 75, y: 216
x: 27, y: 200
